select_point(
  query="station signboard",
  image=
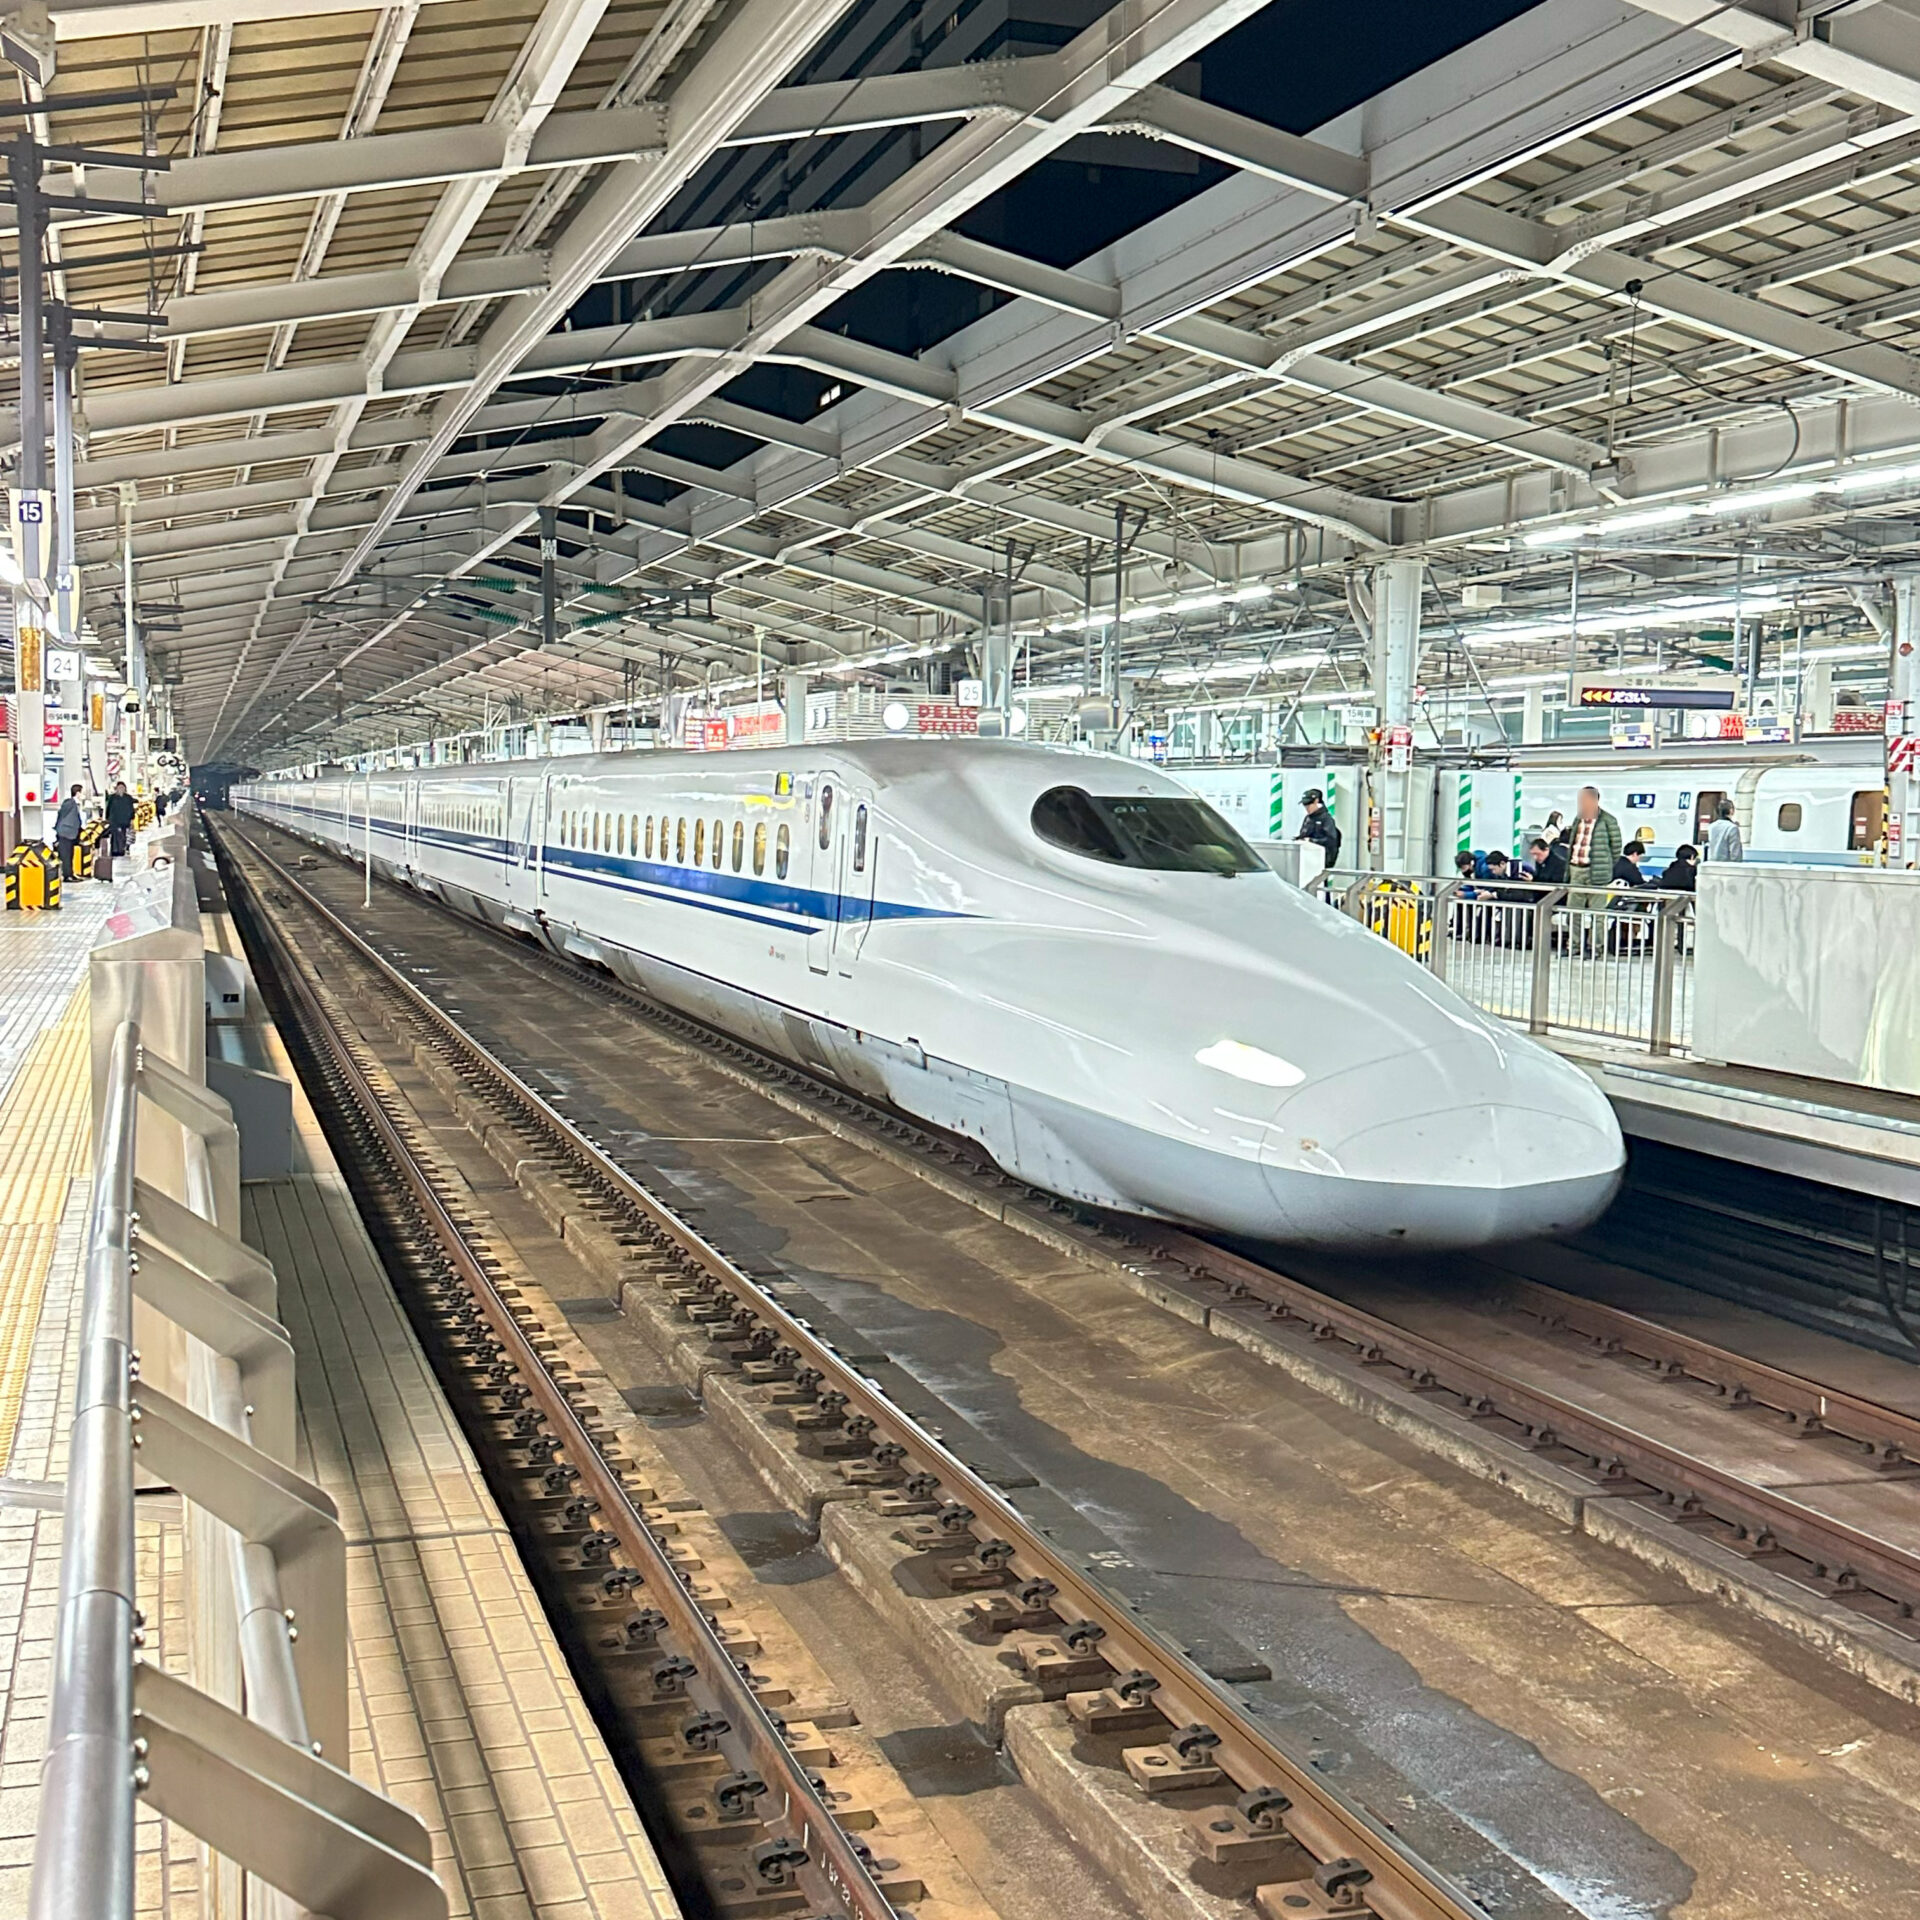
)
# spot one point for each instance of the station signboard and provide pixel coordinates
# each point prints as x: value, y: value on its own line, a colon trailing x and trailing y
x: 1617, y: 696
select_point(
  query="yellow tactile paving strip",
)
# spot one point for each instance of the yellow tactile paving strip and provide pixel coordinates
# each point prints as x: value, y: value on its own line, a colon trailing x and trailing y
x: 43, y: 1145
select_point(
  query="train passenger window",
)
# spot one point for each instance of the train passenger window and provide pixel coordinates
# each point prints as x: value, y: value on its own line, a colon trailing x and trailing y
x: 620, y: 833
x: 759, y: 846
x: 699, y: 843
x: 739, y: 844
x: 826, y: 815
x: 634, y: 820
x: 680, y: 841
x: 598, y: 821
x: 649, y: 836
x: 1789, y: 817
x: 860, y: 839
x: 719, y: 842
x: 780, y: 853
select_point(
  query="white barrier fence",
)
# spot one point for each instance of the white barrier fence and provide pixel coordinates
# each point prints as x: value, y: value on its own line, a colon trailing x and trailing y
x: 1616, y: 963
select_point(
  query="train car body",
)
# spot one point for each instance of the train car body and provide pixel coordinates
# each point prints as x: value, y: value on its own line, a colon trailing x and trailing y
x: 1065, y: 957
x: 1791, y: 813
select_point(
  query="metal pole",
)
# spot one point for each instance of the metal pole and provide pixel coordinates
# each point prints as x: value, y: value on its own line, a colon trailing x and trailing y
x: 549, y: 557
x: 366, y: 898
x: 83, y: 1847
x: 23, y: 167
x: 1573, y: 630
x: 65, y: 596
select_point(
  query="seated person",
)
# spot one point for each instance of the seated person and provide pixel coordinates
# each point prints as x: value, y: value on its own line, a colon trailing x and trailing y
x: 1626, y: 869
x: 1682, y: 874
x: 1549, y: 861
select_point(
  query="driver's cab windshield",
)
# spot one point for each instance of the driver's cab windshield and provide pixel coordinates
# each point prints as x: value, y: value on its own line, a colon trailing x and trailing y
x: 1155, y: 832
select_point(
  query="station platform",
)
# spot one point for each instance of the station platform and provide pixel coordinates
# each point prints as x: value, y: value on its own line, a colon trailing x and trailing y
x: 1858, y: 1138
x: 462, y: 1707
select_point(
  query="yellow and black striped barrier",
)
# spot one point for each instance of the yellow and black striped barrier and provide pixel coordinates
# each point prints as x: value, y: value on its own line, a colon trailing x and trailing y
x: 143, y: 815
x: 33, y: 879
x: 1397, y: 913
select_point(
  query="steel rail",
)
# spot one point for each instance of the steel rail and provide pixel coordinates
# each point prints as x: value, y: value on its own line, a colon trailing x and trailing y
x: 1847, y: 1555
x: 1889, y: 1434
x: 834, y: 1863
x: 1324, y: 1821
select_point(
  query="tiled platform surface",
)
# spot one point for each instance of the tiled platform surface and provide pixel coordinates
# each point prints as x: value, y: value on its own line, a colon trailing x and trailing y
x: 462, y: 1707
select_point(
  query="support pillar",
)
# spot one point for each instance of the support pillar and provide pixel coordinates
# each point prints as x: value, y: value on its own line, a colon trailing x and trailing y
x: 1903, y: 724
x: 1533, y: 717
x: 794, y: 703
x: 1393, y: 654
x: 1816, y: 698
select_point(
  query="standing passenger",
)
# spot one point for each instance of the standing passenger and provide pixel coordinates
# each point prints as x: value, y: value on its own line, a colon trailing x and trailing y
x: 66, y: 834
x: 1592, y: 843
x: 1723, y: 837
x: 119, y: 819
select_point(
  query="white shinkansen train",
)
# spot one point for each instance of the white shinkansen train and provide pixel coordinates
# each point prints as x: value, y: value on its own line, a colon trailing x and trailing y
x: 1066, y: 958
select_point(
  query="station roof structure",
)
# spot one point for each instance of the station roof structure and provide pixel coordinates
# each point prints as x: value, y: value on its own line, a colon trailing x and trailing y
x: 815, y: 330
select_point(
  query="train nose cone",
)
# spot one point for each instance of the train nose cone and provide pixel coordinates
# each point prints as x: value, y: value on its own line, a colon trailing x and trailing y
x: 1459, y: 1146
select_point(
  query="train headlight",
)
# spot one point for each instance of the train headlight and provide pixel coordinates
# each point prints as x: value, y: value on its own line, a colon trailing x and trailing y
x: 1264, y: 1069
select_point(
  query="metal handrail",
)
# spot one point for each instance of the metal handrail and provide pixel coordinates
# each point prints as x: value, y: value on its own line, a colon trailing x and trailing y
x: 256, y: 1786
x: 83, y: 1854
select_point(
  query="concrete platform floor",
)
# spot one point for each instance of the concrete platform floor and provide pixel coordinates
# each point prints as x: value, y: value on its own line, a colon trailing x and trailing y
x: 1561, y: 1725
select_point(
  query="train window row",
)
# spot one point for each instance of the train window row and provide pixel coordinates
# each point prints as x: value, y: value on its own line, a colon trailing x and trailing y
x: 462, y: 816
x: 671, y: 838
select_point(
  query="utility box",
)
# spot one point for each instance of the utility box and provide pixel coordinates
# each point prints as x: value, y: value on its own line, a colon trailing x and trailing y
x: 226, y: 988
x: 262, y: 1106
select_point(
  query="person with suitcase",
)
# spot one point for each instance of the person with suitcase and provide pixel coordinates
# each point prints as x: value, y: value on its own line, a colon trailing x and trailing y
x: 119, y: 830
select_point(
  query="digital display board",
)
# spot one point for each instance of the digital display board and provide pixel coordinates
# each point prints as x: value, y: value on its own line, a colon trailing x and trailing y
x: 1646, y: 697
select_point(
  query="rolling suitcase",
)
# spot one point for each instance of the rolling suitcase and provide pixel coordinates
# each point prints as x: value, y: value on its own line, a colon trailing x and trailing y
x: 103, y: 859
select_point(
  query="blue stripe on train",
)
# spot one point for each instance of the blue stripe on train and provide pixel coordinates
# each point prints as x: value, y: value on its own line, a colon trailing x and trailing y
x: 735, y: 895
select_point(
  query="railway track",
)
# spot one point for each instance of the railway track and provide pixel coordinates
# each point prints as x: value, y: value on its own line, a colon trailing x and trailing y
x: 1846, y: 1264
x: 1830, y: 1558
x: 1066, y: 1629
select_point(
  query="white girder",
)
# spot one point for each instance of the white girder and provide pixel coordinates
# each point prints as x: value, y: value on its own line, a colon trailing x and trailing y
x: 1872, y: 50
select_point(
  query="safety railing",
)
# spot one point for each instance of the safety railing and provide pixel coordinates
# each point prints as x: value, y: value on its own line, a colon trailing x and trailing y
x: 1615, y: 962
x: 260, y: 1781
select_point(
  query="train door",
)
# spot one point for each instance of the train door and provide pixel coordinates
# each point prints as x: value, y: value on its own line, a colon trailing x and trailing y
x: 542, y: 809
x: 828, y: 825
x: 858, y: 857
x: 1867, y: 820
x: 519, y: 838
x: 1706, y: 806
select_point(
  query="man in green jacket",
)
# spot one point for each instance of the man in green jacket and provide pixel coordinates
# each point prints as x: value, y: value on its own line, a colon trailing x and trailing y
x: 1593, y: 845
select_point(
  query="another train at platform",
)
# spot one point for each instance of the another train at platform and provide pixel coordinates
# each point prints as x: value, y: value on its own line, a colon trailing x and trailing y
x: 1067, y: 958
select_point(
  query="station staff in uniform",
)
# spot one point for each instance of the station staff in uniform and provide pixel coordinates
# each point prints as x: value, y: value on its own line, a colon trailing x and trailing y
x: 1320, y: 826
